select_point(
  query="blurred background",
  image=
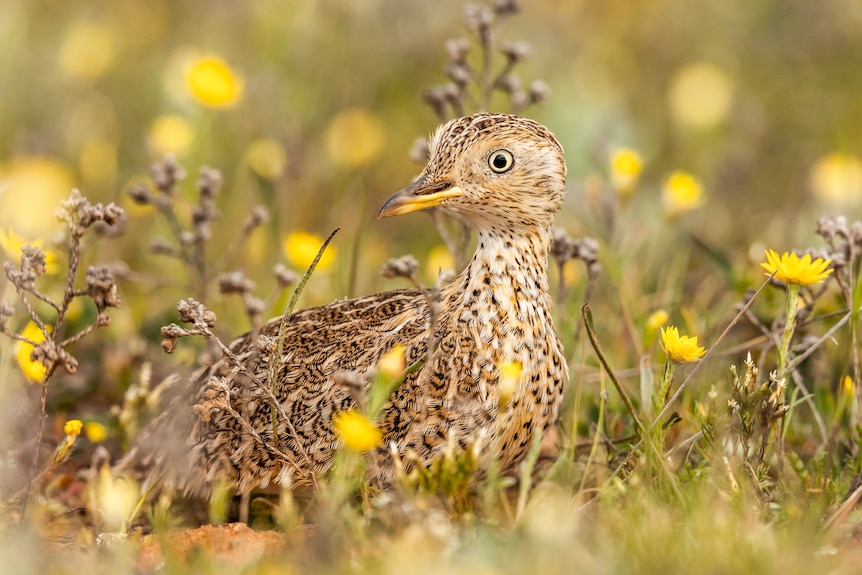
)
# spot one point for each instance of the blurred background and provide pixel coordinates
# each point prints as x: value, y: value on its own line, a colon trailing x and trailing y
x: 697, y: 134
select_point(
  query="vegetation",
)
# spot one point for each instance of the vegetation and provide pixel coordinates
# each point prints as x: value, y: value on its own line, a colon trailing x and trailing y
x: 709, y: 309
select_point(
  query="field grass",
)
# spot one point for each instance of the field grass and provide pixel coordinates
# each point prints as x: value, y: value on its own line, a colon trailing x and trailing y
x: 691, y: 150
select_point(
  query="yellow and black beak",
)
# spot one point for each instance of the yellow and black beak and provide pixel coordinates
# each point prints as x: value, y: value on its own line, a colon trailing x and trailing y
x: 420, y: 195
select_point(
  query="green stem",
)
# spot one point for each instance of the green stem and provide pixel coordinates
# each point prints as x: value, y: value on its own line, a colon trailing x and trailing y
x: 659, y: 398
x: 789, y: 328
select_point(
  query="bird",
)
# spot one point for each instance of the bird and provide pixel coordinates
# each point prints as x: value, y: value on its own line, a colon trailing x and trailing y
x: 504, y: 175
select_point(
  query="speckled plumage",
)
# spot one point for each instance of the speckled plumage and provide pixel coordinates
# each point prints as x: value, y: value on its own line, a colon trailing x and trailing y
x: 496, y: 311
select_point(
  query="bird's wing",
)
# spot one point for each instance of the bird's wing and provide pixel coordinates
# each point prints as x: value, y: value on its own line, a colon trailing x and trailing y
x: 199, y: 438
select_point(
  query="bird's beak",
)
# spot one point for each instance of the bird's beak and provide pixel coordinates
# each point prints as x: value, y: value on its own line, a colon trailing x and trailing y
x: 419, y: 195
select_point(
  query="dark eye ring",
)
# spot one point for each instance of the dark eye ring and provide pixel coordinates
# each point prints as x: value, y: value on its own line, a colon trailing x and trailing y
x: 501, y: 161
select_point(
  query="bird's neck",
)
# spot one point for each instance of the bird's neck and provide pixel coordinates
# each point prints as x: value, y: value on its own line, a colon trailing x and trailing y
x: 507, y: 274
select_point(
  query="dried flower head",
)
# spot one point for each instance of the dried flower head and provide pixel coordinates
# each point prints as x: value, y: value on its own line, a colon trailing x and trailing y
x: 284, y: 276
x: 167, y: 174
x: 194, y: 312
x: 235, y: 282
x: 404, y: 267
x: 102, y: 287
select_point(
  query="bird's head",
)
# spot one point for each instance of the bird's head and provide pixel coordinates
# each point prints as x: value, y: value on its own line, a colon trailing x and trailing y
x: 493, y: 170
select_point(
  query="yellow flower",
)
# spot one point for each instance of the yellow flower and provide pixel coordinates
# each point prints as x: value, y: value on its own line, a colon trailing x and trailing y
x: 356, y: 431
x: 88, y: 50
x: 657, y: 319
x: 12, y: 244
x: 170, y: 134
x: 302, y: 247
x: 95, y: 431
x: 848, y: 387
x: 30, y: 185
x: 792, y: 269
x: 837, y: 178
x: 116, y: 498
x: 73, y: 427
x: 700, y: 95
x: 680, y: 348
x: 266, y: 158
x: 625, y: 167
x: 510, y: 377
x: 681, y: 192
x: 439, y: 259
x: 34, y: 370
x: 391, y: 363
x: 213, y: 83
x: 354, y: 138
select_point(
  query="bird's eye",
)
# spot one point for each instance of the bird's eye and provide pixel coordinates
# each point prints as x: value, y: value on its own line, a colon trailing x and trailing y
x: 501, y: 161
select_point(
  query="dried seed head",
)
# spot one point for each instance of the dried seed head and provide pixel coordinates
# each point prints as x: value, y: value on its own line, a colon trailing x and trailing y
x: 33, y: 258
x: 563, y: 246
x: 24, y: 279
x: 102, y: 287
x: 254, y: 307
x: 160, y: 247
x: 478, y: 18
x: 6, y: 311
x: 192, y: 311
x: 404, y: 267
x: 259, y: 215
x: 167, y: 174
x: 459, y: 73
x: 516, y: 51
x: 506, y: 7
x: 519, y: 99
x: 174, y: 331
x: 445, y: 277
x: 539, y: 92
x: 457, y: 49
x: 284, y: 276
x: 437, y: 98
x: 235, y: 282
x: 209, y: 182
x: 420, y: 151
x: 141, y: 194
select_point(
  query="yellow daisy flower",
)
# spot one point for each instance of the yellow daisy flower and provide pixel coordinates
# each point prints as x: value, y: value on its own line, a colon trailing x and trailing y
x: 625, y: 168
x: 213, y: 83
x: 391, y: 363
x: 356, y: 431
x: 34, y: 370
x: 680, y: 348
x: 792, y: 269
x: 657, y: 319
x: 302, y: 247
x: 510, y: 377
x: 682, y: 192
x: 73, y: 428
